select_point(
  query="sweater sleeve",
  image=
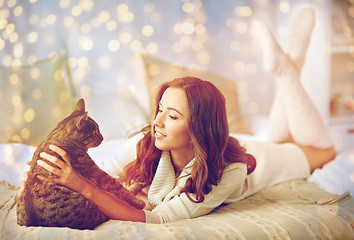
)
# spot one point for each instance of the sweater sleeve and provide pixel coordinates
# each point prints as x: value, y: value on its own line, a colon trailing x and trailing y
x: 229, y: 189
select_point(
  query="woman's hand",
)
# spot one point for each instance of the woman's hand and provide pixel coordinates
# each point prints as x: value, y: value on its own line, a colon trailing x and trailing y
x: 67, y: 176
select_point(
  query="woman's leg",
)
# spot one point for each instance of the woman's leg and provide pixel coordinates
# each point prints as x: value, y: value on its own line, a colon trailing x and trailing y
x: 300, y: 35
x: 302, y: 123
x: 299, y: 38
x: 278, y: 129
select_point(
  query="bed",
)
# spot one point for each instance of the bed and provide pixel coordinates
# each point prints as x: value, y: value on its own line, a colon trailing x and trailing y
x: 319, y: 207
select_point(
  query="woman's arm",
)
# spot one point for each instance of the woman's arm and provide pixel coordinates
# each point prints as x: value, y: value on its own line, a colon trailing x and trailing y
x: 113, y: 207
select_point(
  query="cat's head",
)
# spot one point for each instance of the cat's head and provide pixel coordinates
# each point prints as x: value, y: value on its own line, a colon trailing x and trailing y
x: 83, y: 128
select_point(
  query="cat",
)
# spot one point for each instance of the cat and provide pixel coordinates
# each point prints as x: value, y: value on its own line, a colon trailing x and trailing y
x: 44, y: 203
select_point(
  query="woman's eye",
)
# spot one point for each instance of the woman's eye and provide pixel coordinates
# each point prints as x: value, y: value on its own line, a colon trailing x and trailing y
x: 172, y: 117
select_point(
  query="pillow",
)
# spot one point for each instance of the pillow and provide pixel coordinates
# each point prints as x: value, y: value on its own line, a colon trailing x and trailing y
x: 33, y: 99
x: 159, y: 71
x: 118, y: 112
x: 336, y: 176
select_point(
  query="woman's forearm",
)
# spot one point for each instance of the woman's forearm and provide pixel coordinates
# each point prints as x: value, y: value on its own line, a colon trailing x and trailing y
x: 113, y: 207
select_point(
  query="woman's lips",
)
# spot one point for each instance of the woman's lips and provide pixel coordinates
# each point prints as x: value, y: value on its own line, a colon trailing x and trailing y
x: 159, y: 134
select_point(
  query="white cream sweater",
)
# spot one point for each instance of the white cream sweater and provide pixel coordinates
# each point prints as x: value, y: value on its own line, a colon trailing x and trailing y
x: 170, y: 204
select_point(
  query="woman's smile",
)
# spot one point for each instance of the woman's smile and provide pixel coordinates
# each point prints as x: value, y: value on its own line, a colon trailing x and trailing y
x: 159, y: 135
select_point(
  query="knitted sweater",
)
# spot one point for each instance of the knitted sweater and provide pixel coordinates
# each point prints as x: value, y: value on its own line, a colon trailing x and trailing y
x: 170, y: 204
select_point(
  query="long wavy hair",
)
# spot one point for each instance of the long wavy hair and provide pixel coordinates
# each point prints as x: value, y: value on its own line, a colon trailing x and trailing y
x: 213, y: 147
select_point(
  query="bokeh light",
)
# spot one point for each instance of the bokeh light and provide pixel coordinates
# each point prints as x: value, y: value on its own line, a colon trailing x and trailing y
x: 284, y: 6
x: 32, y: 37
x: 124, y: 14
x: 86, y: 43
x: 243, y: 11
x: 125, y: 37
x: 35, y: 73
x: 114, y: 45
x: 148, y: 30
x: 29, y: 115
x: 111, y: 25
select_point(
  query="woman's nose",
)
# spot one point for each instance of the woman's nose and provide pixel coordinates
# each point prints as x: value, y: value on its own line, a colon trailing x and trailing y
x: 158, y: 121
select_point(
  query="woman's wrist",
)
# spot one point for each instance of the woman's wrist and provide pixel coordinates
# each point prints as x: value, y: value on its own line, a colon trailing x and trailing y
x: 85, y: 188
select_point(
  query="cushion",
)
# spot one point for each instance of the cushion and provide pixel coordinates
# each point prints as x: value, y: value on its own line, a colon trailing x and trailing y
x: 159, y: 71
x: 117, y: 112
x: 336, y: 176
x: 34, y: 98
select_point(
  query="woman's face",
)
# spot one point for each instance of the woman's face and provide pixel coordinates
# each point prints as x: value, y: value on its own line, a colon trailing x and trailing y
x: 171, y: 121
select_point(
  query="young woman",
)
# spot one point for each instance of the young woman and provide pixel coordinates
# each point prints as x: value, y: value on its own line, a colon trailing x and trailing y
x: 188, y: 161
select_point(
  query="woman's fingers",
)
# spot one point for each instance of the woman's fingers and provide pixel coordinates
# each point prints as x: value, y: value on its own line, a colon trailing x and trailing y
x: 52, y: 159
x: 61, y: 152
x: 67, y: 176
x: 49, y: 168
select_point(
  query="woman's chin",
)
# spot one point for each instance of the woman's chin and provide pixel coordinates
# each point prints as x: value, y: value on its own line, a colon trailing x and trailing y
x: 160, y: 146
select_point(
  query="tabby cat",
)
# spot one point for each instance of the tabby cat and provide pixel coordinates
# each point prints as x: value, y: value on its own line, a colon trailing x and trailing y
x: 44, y: 203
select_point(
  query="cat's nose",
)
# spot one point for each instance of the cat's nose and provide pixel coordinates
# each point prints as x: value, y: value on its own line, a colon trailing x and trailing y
x: 100, y: 139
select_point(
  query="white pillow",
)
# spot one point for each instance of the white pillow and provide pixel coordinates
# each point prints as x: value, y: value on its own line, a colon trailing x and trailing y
x: 336, y: 176
x: 118, y: 114
x: 13, y: 162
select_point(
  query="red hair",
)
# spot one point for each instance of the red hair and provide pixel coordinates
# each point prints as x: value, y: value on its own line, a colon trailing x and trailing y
x: 213, y: 147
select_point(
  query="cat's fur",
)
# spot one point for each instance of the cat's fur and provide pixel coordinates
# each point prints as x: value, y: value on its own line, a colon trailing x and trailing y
x: 48, y: 204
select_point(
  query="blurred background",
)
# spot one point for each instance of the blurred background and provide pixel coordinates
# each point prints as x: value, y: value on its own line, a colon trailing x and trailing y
x: 53, y: 52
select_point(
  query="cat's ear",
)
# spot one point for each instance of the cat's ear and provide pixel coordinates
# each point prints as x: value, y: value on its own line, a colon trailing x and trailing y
x: 82, y: 121
x: 80, y: 106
